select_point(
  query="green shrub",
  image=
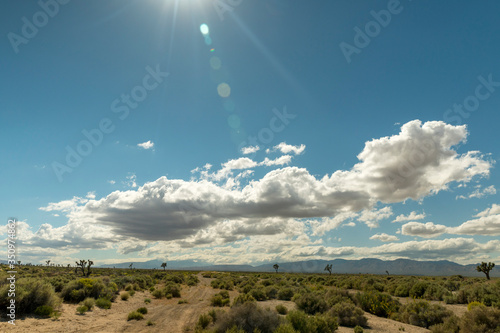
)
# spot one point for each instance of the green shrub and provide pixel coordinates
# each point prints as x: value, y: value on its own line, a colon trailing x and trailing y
x: 480, y: 319
x: 134, y: 315
x: 358, y: 329
x: 423, y: 314
x: 158, y: 294
x: 142, y: 310
x: 31, y: 293
x: 103, y: 303
x: 258, y: 294
x: 243, y: 298
x: 150, y: 323
x: 335, y: 296
x: 172, y: 289
x: 77, y: 290
x: 131, y: 293
x: 89, y: 303
x: 285, y: 328
x: 82, y: 309
x: 311, y: 303
x: 418, y: 289
x: 450, y: 325
x: 184, y: 301
x: 203, y: 321
x: 473, y: 304
x: 348, y: 314
x: 147, y: 300
x: 44, y: 311
x: 379, y: 304
x: 306, y: 324
x: 281, y: 309
x: 248, y: 317
x: 125, y: 296
x: 285, y: 294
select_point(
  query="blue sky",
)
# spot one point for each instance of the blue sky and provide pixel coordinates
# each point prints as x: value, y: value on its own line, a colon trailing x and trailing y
x: 250, y: 131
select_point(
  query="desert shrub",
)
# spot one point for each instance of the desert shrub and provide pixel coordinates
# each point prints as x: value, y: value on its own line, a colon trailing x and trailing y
x: 134, y: 315
x: 473, y: 304
x: 203, y: 321
x: 435, y: 292
x: 129, y: 287
x: 158, y: 294
x: 183, y: 301
x: 31, y: 293
x: 150, y: 322
x: 172, y: 289
x: 248, y: 317
x: 131, y: 293
x: 450, y: 325
x: 192, y: 280
x: 142, y: 310
x: 285, y: 328
x: 151, y: 289
x: 285, y: 294
x: 44, y: 311
x: 303, y: 323
x: 221, y: 299
x: 103, y: 303
x: 488, y: 294
x: 243, y: 298
x: 358, y: 329
x: 125, y: 296
x: 281, y: 309
x: 222, y: 284
x: 82, y: 309
x: 147, y: 300
x: 271, y: 292
x: 379, y: 304
x: 423, y: 314
x: 480, y: 319
x: 311, y: 303
x: 348, y: 314
x: 335, y: 296
x: 175, y: 278
x: 89, y: 303
x: 418, y: 289
x: 77, y: 290
x: 258, y: 294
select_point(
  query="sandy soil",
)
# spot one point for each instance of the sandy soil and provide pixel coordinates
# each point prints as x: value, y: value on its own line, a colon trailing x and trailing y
x: 170, y: 317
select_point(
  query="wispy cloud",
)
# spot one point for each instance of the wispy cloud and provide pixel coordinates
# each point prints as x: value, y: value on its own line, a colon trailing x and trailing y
x: 146, y: 145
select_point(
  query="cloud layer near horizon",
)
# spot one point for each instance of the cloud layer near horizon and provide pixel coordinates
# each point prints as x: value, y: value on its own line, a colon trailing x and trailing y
x: 288, y: 203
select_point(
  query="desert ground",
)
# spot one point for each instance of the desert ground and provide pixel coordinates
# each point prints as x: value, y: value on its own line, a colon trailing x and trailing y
x: 169, y: 316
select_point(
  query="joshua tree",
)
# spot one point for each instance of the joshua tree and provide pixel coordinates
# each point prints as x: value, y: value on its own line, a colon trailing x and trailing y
x: 81, y: 265
x: 276, y: 266
x: 69, y: 265
x: 387, y: 272
x: 90, y: 263
x: 485, y: 268
x: 329, y: 268
x: 48, y: 262
x: 19, y: 262
x: 130, y: 266
x: 164, y: 265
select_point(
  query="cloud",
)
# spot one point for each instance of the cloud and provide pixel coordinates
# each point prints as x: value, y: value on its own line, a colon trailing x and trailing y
x: 250, y: 150
x: 487, y: 223
x: 447, y: 249
x: 372, y: 217
x: 478, y: 193
x: 411, y: 217
x: 112, y: 182
x: 286, y: 149
x: 131, y: 180
x: 217, y: 208
x: 384, y: 237
x: 146, y: 145
x: 282, y: 160
x: 426, y: 230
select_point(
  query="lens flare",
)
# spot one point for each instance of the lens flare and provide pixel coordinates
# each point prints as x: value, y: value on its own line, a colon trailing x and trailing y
x: 204, y: 29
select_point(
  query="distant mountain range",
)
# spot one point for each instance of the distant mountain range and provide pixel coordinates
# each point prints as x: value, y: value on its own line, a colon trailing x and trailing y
x: 339, y: 266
